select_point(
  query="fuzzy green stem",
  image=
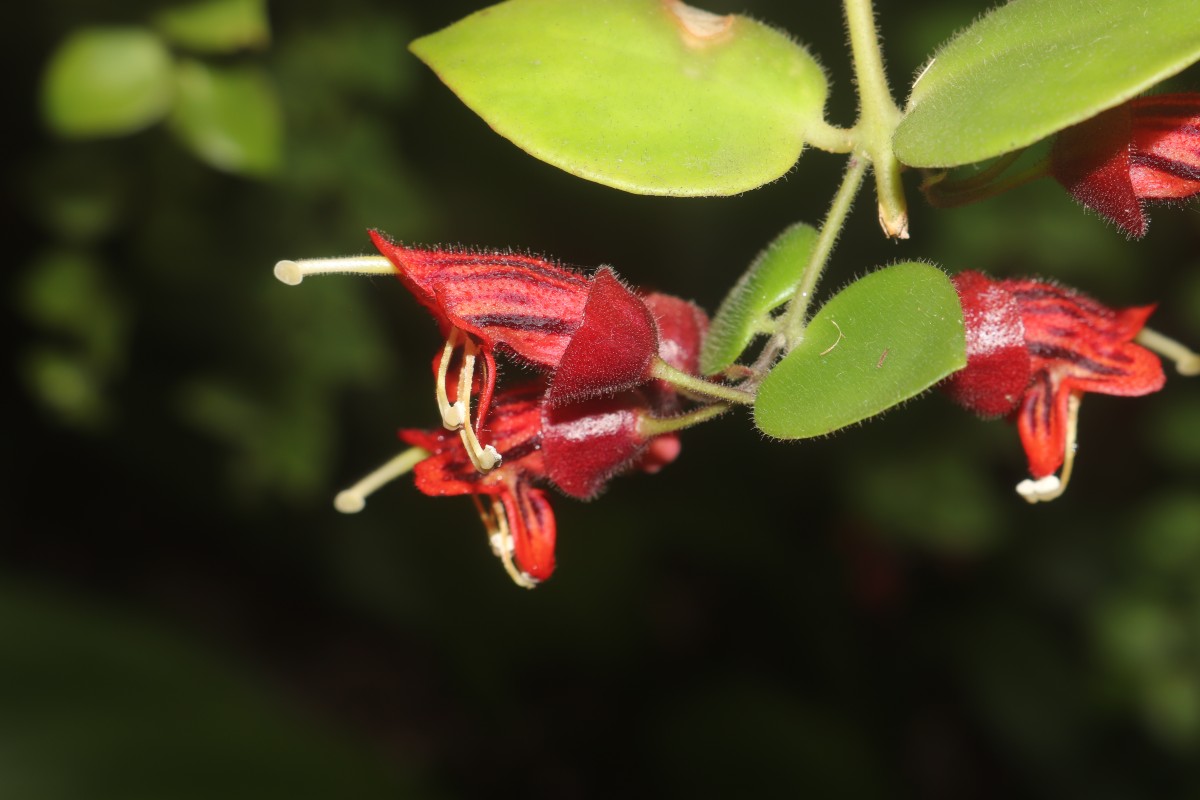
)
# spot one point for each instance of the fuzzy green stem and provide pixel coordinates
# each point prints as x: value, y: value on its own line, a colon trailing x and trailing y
x: 829, y: 138
x: 649, y: 427
x: 878, y: 116
x: 795, y: 318
x: 698, y: 387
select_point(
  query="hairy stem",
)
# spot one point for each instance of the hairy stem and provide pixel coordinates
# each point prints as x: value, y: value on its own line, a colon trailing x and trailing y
x: 649, y: 427
x: 878, y: 117
x: 698, y: 387
x: 791, y: 331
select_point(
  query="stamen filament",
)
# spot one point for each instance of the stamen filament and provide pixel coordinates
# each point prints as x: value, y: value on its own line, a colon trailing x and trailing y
x: 500, y: 537
x: 1186, y: 361
x: 1050, y: 487
x: 293, y: 272
x: 453, y: 414
x: 354, y: 499
x: 484, y: 458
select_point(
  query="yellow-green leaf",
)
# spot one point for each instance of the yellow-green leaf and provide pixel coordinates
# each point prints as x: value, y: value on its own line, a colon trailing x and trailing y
x: 647, y: 96
x: 1033, y: 67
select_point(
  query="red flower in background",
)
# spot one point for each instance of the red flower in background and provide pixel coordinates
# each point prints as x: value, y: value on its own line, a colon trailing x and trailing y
x: 1146, y: 149
x: 1033, y: 349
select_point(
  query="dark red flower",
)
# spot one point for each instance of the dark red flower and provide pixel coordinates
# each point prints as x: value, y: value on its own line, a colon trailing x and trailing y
x: 601, y: 405
x: 594, y: 334
x: 1033, y: 349
x: 576, y: 446
x: 1146, y: 149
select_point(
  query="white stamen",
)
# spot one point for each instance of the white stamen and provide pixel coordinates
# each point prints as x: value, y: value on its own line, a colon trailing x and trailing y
x: 484, y: 458
x: 354, y: 499
x: 1051, y: 487
x: 454, y: 415
x: 501, y: 540
x: 293, y: 272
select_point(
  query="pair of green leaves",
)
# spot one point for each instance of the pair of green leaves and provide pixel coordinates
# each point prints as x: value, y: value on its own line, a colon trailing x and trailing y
x: 112, y: 81
x: 656, y: 97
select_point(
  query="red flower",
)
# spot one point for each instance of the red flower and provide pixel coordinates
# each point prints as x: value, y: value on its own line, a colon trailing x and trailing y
x: 596, y: 335
x: 574, y: 445
x: 1033, y: 349
x: 1146, y: 149
x: 601, y: 407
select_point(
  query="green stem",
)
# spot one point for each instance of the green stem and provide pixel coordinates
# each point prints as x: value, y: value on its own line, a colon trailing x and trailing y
x: 878, y: 117
x: 649, y: 427
x: 829, y: 138
x: 698, y: 387
x: 791, y: 331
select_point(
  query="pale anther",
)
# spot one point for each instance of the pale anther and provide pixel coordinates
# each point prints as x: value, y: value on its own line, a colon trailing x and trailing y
x: 497, y: 524
x: 1041, y: 490
x: 1052, y: 487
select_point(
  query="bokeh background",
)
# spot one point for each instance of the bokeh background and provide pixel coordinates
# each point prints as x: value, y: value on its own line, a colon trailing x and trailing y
x: 875, y: 614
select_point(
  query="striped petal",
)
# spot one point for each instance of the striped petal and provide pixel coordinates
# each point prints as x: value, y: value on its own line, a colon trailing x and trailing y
x: 1165, y: 154
x: 526, y: 305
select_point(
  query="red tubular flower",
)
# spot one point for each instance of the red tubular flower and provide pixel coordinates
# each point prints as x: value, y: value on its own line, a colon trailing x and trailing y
x: 601, y: 407
x: 574, y: 446
x: 596, y: 335
x: 1146, y: 149
x: 1033, y: 349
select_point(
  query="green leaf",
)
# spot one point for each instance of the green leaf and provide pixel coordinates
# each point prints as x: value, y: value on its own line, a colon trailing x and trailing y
x: 647, y: 96
x: 766, y: 285
x: 883, y: 339
x: 229, y: 117
x: 216, y: 26
x: 107, y: 82
x: 1034, y: 67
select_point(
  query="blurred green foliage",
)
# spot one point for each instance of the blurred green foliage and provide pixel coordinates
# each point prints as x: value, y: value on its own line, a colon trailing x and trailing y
x: 873, y: 614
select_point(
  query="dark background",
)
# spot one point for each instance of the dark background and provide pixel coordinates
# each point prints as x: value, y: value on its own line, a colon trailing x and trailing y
x: 875, y: 614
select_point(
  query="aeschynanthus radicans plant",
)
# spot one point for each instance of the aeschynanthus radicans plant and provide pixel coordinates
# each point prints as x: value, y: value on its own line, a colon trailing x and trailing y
x: 657, y: 97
